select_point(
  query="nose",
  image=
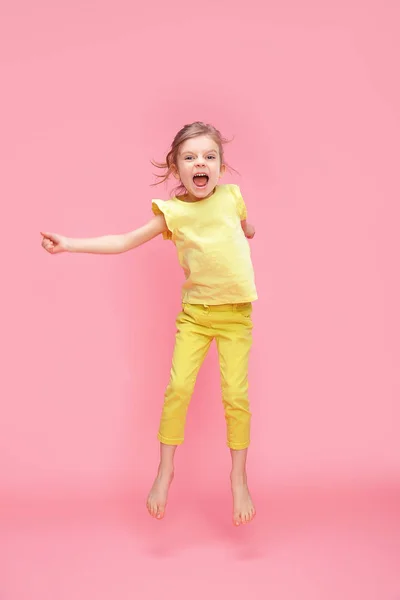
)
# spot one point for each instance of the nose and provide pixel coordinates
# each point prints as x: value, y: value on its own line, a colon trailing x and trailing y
x: 200, y: 162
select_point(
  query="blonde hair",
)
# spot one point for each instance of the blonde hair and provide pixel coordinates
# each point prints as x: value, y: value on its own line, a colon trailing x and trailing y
x: 188, y: 132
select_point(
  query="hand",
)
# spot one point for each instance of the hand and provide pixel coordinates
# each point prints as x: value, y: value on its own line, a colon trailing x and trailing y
x: 250, y: 231
x: 54, y: 243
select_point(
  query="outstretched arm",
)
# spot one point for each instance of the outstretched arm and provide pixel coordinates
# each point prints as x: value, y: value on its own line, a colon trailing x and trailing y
x: 106, y: 244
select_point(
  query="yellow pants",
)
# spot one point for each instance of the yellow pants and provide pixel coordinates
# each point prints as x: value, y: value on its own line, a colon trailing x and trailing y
x: 197, y: 325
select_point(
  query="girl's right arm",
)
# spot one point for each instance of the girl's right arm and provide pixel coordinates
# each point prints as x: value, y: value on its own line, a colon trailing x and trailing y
x: 106, y: 244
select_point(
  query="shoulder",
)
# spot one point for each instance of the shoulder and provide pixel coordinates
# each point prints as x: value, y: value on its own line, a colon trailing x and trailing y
x: 163, y: 206
x: 233, y: 192
x: 170, y: 210
x: 230, y: 188
x: 235, y: 196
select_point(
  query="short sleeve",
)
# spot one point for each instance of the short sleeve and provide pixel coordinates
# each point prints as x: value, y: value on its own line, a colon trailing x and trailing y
x: 161, y: 207
x: 240, y: 205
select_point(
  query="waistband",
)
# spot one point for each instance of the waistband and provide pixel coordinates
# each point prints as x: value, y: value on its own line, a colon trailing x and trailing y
x: 220, y: 307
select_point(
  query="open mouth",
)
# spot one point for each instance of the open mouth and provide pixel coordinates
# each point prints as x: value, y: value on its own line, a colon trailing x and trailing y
x: 200, y: 180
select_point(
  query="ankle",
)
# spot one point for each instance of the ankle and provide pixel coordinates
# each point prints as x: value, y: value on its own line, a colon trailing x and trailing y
x: 238, y: 476
x: 165, y: 470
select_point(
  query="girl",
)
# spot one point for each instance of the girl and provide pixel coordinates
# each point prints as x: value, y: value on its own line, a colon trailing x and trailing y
x: 207, y: 223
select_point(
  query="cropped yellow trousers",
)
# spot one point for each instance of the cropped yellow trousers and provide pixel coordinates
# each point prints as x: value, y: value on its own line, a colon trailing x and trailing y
x: 197, y: 326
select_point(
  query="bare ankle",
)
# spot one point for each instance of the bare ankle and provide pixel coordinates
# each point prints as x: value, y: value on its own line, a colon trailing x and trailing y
x: 238, y: 476
x: 165, y: 470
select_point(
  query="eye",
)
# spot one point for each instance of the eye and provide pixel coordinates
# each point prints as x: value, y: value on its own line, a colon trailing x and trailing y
x: 211, y: 156
x: 188, y: 157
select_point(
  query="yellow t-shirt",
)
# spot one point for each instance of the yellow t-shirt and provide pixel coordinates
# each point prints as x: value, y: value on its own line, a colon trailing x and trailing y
x: 212, y: 248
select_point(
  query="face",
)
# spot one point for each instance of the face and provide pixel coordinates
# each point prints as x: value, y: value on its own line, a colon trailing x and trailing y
x: 199, y: 166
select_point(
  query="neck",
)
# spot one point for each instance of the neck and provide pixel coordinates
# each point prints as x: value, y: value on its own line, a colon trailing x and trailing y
x: 190, y: 198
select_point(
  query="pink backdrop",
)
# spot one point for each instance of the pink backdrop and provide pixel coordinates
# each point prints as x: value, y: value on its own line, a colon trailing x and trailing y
x: 92, y: 92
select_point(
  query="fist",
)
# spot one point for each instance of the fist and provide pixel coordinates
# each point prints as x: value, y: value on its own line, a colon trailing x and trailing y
x: 250, y: 231
x: 54, y: 243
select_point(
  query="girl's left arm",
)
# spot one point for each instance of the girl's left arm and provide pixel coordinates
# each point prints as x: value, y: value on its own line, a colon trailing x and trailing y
x: 248, y: 229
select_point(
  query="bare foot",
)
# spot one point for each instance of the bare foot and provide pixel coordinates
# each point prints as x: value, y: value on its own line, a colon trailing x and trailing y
x: 158, y: 496
x: 243, y: 508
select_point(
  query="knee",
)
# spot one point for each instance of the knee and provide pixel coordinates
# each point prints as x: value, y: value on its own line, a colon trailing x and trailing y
x: 235, y: 393
x: 179, y: 389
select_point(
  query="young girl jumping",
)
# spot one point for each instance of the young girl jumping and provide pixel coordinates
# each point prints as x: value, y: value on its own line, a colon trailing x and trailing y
x: 207, y: 222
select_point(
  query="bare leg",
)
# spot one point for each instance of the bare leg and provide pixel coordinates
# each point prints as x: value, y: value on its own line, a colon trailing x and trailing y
x: 158, y: 496
x: 243, y: 508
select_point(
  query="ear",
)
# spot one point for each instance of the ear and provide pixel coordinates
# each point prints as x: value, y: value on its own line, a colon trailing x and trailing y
x: 175, y: 171
x: 222, y: 171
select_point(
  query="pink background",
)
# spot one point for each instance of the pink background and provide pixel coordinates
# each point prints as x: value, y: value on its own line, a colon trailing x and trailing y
x: 90, y: 93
